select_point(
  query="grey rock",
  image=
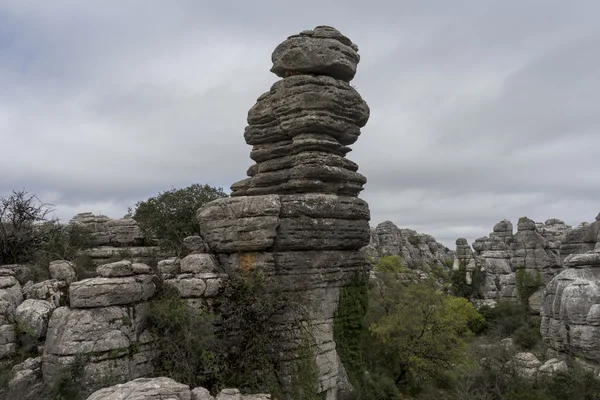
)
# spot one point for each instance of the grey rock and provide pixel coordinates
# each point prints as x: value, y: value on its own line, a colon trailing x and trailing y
x: 229, y: 394
x: 62, y: 271
x: 144, y: 389
x: 33, y: 315
x: 141, y: 269
x: 170, y: 267
x: 201, y: 393
x: 553, y: 366
x: 525, y: 365
x: 53, y: 291
x: 240, y: 224
x: 116, y: 269
x: 305, y: 104
x: 418, y: 251
x: 103, y: 292
x: 26, y: 382
x: 194, y: 244
x: 323, y: 50
x: 198, y: 263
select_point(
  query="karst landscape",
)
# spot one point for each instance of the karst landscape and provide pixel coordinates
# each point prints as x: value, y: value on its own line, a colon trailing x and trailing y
x: 285, y: 288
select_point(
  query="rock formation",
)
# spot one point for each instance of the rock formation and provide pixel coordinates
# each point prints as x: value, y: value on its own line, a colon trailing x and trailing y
x: 417, y: 250
x: 464, y: 259
x: 297, y: 216
x: 533, y: 252
x: 166, y: 388
x: 571, y: 302
x: 112, y: 238
x: 105, y: 323
x: 537, y: 248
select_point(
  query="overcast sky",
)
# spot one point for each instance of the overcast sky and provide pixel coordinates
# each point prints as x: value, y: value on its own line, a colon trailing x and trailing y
x: 480, y: 110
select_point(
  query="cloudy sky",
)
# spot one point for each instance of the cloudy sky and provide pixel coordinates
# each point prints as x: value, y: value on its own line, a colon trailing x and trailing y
x: 481, y: 110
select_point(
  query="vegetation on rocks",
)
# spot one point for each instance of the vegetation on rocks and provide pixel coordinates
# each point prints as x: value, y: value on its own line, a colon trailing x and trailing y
x: 171, y: 215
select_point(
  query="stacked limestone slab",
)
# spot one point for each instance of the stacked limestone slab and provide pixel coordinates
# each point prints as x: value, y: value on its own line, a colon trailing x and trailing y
x: 197, y: 278
x: 584, y: 238
x: 494, y: 255
x: 297, y: 216
x: 571, y: 305
x: 104, y: 325
x: 113, y: 237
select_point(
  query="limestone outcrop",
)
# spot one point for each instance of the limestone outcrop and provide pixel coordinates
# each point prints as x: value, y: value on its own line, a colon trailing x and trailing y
x: 417, y: 250
x: 571, y: 303
x: 105, y: 323
x: 115, y: 238
x: 533, y: 252
x: 122, y: 232
x: 166, y: 388
x: 296, y: 217
x: 537, y: 248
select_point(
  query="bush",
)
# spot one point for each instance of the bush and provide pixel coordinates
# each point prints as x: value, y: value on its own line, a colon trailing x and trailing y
x: 171, y: 216
x: 416, y: 332
x: 186, y: 339
x: 25, y: 225
x: 460, y: 287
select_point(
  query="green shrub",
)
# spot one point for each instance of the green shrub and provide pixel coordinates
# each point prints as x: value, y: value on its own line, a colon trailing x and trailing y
x: 68, y: 382
x: 171, y: 215
x: 460, y: 287
x: 186, y: 339
x: 390, y: 264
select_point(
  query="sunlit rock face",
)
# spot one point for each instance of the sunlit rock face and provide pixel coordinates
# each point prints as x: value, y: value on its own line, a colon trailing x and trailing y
x: 297, y: 215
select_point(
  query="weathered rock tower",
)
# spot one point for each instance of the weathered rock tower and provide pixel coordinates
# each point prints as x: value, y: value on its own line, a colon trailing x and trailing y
x: 298, y: 216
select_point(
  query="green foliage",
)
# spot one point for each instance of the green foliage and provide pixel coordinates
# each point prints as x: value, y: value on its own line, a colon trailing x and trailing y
x: 349, y: 329
x: 68, y: 382
x: 171, y: 215
x: 416, y: 331
x: 305, y: 379
x: 25, y: 224
x: 490, y: 383
x: 390, y: 264
x: 247, y: 308
x: 511, y: 319
x: 527, y: 284
x: 185, y: 338
x: 459, y: 285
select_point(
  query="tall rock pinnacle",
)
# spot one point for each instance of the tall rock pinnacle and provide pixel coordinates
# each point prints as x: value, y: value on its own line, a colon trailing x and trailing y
x: 297, y: 217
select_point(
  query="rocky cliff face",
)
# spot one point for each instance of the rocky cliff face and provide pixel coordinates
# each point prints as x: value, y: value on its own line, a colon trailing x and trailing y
x: 571, y: 301
x: 297, y: 216
x: 418, y: 251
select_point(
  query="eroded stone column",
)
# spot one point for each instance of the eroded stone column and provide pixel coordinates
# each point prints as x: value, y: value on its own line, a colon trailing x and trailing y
x: 297, y: 215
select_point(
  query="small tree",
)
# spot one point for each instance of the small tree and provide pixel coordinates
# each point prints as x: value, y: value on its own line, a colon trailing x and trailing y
x: 171, y: 216
x: 416, y: 331
x: 26, y: 223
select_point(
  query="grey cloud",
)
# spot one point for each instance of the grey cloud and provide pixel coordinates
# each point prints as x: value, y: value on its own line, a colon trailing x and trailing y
x: 481, y: 110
